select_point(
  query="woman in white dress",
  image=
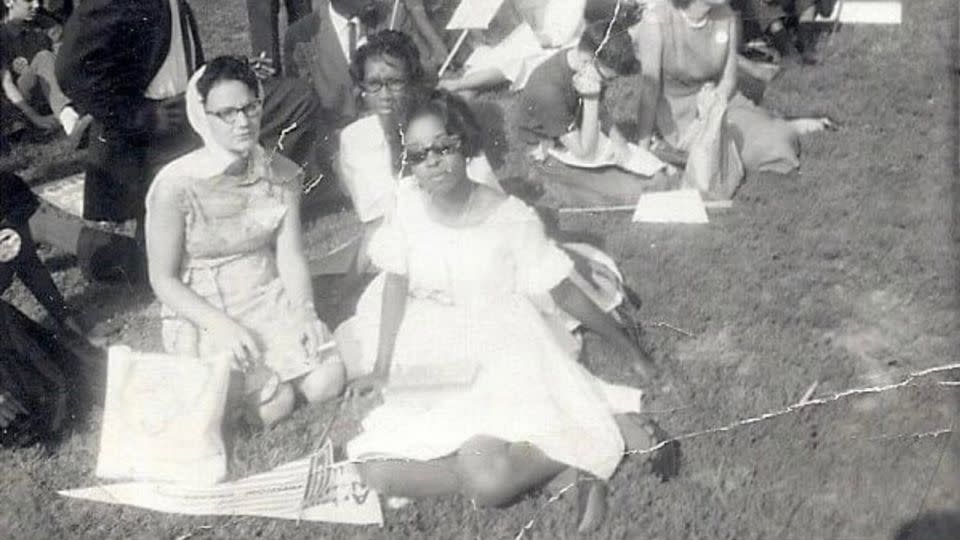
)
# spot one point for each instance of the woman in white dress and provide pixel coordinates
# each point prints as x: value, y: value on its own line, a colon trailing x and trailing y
x: 483, y: 394
x: 544, y: 27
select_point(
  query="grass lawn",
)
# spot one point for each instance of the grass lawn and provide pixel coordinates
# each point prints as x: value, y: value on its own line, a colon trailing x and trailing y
x: 844, y: 274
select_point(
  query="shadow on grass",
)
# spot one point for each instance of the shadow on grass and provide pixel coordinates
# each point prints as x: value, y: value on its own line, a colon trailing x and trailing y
x: 930, y: 526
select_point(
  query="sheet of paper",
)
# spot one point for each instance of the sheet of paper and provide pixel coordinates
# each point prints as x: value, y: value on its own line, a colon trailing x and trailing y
x: 474, y: 14
x: 677, y: 206
x: 640, y: 162
x: 275, y: 494
x: 860, y: 12
x: 65, y: 193
x: 161, y: 418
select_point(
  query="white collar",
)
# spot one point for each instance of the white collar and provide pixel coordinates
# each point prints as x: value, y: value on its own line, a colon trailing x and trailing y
x: 339, y: 21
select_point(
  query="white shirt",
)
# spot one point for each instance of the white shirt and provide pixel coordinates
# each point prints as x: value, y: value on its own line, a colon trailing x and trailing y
x: 172, y: 78
x: 342, y: 27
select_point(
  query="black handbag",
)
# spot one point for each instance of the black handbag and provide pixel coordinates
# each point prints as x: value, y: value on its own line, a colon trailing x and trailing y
x: 31, y: 372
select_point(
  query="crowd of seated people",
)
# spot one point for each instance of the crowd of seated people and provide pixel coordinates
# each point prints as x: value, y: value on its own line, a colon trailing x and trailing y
x: 473, y: 297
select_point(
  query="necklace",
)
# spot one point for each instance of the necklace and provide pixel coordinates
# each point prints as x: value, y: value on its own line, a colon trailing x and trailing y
x: 692, y: 23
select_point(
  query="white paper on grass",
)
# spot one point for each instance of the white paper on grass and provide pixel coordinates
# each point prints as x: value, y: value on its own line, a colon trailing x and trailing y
x: 278, y: 493
x: 641, y: 161
x: 162, y: 418
x: 677, y: 206
x: 858, y: 12
x: 474, y: 14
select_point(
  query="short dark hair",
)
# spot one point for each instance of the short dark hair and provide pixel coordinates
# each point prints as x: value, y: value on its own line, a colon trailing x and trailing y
x: 611, y: 44
x: 457, y: 118
x: 227, y: 68
x: 680, y: 4
x: 390, y: 43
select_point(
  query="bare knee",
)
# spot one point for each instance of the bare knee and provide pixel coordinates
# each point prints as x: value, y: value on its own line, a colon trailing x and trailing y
x: 324, y: 383
x: 277, y: 408
x: 378, y: 475
x: 486, y: 474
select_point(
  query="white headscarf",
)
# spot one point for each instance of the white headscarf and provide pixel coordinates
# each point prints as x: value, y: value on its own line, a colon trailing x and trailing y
x: 213, y: 158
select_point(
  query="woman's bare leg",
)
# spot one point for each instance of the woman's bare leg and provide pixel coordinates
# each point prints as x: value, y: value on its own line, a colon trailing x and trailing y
x: 415, y: 479
x: 324, y: 383
x: 490, y: 471
x: 273, y: 411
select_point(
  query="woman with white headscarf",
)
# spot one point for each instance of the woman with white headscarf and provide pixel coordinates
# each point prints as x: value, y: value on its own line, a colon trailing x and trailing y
x: 225, y: 251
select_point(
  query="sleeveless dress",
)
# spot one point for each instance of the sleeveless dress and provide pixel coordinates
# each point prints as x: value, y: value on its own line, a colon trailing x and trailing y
x: 232, y: 221
x: 472, y: 312
x: 695, y: 56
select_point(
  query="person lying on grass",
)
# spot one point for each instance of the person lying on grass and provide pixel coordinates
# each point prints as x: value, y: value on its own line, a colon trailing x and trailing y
x: 561, y: 102
x: 225, y: 252
x: 452, y: 331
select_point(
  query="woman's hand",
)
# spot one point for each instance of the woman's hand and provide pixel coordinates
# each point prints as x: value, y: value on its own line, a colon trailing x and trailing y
x: 10, y: 408
x: 587, y: 83
x: 640, y: 361
x: 369, y: 385
x: 232, y: 337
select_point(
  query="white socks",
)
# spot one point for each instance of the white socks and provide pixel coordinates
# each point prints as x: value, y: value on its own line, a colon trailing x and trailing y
x: 68, y: 119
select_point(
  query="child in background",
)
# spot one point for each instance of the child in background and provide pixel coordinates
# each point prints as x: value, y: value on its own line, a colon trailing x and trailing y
x: 28, y: 44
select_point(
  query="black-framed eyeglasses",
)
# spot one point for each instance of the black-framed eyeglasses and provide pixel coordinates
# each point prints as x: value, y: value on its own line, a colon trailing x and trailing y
x: 376, y: 85
x: 443, y: 147
x: 230, y: 115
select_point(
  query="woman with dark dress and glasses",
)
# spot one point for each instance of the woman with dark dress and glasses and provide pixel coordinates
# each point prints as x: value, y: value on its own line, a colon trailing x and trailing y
x: 225, y: 252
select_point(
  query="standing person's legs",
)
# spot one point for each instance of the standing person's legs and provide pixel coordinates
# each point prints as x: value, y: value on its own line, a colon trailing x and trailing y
x: 264, y: 32
x: 36, y: 277
x: 297, y: 9
x: 292, y: 122
x: 264, y: 17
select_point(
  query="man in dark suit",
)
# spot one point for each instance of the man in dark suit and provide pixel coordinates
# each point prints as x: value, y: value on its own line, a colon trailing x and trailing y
x: 319, y: 48
x: 127, y: 63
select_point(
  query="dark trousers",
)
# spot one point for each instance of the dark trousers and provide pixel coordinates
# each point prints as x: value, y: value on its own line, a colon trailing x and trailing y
x: 264, y: 16
x: 119, y: 170
x: 31, y: 271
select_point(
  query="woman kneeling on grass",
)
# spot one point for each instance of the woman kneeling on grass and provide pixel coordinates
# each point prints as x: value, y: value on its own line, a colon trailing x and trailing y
x: 225, y: 250
x: 483, y: 394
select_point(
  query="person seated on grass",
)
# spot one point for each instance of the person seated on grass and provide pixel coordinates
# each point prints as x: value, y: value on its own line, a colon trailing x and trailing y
x: 452, y: 330
x: 28, y: 44
x: 18, y: 253
x: 390, y: 77
x: 225, y: 253
x: 561, y: 109
x: 688, y: 51
x: 540, y: 29
x: 785, y: 24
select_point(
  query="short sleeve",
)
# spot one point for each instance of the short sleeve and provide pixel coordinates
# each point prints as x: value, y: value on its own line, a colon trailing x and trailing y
x: 365, y: 168
x: 541, y: 264
x: 388, y: 248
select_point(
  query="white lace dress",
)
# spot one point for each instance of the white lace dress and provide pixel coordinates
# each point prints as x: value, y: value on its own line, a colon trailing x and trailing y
x: 502, y: 367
